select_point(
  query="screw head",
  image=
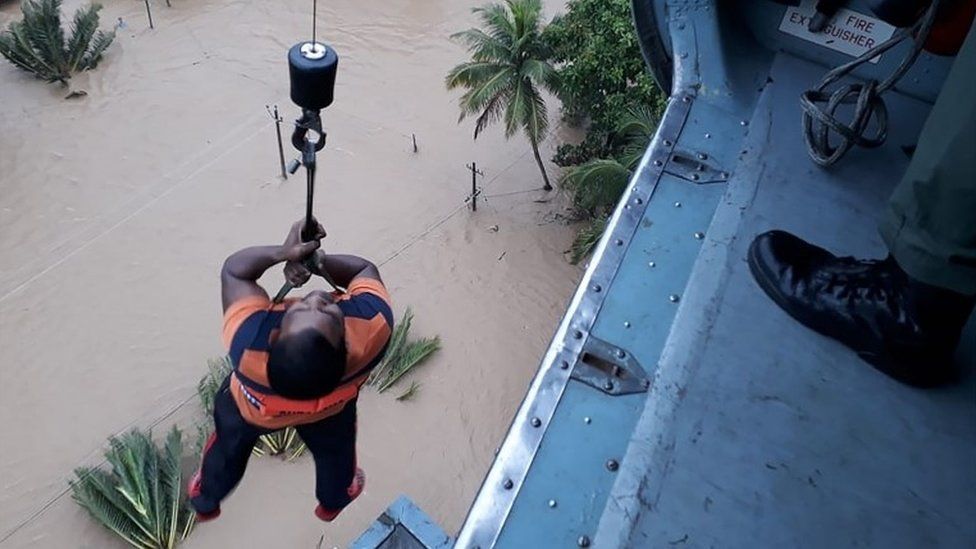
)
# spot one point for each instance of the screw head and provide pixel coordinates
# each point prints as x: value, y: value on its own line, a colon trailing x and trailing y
x: 699, y: 235
x: 536, y: 422
x: 564, y: 365
x: 708, y: 136
x: 695, y: 177
x: 618, y: 242
x: 646, y: 383
x: 658, y: 163
x: 508, y: 484
x: 578, y: 334
x: 702, y: 156
x: 620, y: 352
x: 597, y: 288
x: 673, y: 298
x: 685, y: 98
x: 626, y: 324
x: 583, y: 541
x: 638, y: 200
x: 552, y: 504
x: 651, y: 264
x: 612, y: 465
x: 608, y: 385
x: 677, y: 204
x: 744, y: 123
x: 667, y: 143
x: 587, y: 420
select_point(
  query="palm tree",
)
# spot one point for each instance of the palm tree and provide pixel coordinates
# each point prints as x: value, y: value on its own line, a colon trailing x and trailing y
x: 598, y: 184
x: 509, y: 64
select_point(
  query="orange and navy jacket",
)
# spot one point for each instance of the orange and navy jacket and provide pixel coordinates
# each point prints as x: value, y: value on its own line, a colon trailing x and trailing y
x: 251, y: 326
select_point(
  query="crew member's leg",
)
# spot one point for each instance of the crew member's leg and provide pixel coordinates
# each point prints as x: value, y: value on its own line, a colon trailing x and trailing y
x: 903, y: 315
x: 224, y: 456
x: 931, y: 224
x: 332, y: 442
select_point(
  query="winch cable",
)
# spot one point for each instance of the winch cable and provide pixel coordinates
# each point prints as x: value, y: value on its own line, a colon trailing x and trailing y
x: 818, y: 121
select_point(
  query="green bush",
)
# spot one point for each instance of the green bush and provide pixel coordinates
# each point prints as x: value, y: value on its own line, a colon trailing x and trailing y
x: 602, y: 73
x: 37, y: 43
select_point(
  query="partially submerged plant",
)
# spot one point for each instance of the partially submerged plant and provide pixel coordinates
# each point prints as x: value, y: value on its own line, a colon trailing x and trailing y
x: 401, y: 356
x: 285, y: 441
x: 37, y: 43
x: 141, y: 499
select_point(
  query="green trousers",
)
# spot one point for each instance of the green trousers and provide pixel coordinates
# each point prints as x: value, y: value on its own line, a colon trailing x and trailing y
x: 930, y: 226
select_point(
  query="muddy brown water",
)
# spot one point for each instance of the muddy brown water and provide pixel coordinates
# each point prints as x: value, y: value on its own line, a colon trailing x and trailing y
x: 117, y: 209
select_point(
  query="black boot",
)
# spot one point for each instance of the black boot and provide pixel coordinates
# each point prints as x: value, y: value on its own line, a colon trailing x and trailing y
x: 902, y: 327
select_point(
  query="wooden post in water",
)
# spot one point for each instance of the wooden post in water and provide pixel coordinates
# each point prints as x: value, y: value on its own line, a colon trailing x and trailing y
x: 475, y: 172
x: 281, y: 151
x: 149, y: 13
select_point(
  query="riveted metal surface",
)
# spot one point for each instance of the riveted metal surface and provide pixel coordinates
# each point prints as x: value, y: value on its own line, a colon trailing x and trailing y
x: 490, y: 509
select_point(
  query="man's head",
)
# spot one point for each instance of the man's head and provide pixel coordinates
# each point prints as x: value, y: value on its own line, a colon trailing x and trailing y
x: 309, y: 357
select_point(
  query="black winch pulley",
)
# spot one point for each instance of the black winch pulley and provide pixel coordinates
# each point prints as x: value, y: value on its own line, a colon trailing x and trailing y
x: 312, y: 72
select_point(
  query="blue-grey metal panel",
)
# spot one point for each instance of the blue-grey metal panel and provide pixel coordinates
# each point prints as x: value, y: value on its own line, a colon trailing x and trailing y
x: 403, y: 525
x: 759, y: 432
x: 571, y: 465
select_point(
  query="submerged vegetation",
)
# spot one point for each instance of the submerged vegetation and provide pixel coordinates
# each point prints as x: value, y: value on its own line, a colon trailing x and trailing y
x: 402, y: 355
x: 38, y: 44
x: 598, y: 183
x: 509, y: 67
x: 141, y: 499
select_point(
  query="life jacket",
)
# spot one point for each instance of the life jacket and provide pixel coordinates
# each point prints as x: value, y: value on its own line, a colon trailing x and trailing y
x: 250, y: 379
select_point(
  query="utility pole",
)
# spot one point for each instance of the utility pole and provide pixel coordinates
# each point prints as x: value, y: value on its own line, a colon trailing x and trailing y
x: 281, y: 152
x: 475, y: 172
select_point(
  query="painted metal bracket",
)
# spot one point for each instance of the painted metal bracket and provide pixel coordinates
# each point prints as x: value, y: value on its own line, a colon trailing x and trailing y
x: 610, y: 369
x: 696, y: 167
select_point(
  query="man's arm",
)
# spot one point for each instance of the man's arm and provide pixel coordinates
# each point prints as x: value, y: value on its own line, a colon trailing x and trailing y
x: 343, y: 269
x: 241, y: 271
x: 238, y: 278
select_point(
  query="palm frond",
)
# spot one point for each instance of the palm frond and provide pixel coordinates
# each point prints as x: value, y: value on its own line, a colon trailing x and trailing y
x: 37, y: 43
x: 597, y: 184
x: 536, y: 122
x: 413, y: 354
x: 401, y: 354
x: 541, y: 73
x: 284, y: 442
x: 393, y: 348
x: 497, y: 21
x: 492, y: 112
x: 587, y: 239
x: 140, y: 499
x: 484, y: 47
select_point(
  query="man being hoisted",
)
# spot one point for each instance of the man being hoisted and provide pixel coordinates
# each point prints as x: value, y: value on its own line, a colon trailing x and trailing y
x: 296, y: 363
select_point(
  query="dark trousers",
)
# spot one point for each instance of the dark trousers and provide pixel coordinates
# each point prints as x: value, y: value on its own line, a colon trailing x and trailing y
x: 332, y: 442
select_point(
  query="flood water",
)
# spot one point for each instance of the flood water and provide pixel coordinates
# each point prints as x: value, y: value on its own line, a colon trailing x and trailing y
x: 118, y: 208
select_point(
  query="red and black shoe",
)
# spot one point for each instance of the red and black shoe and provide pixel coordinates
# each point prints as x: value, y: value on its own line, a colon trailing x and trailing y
x: 193, y: 490
x: 356, y: 487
